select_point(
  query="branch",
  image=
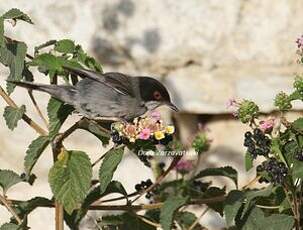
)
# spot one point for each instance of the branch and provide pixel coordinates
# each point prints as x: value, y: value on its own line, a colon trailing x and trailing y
x: 159, y: 179
x: 30, y: 93
x: 25, y: 118
x: 10, y: 209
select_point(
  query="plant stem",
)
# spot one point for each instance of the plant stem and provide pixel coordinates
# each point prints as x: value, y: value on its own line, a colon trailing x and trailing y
x: 59, y: 214
x: 30, y: 93
x: 10, y: 209
x: 159, y: 179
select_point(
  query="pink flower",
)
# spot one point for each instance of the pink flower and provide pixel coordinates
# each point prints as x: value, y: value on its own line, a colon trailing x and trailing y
x: 267, y: 125
x: 145, y: 134
x: 155, y: 115
x: 234, y: 105
x: 299, y: 42
x: 184, y: 166
x: 231, y: 103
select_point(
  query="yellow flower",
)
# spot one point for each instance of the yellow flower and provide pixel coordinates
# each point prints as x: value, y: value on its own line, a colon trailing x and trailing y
x: 159, y: 135
x: 132, y: 139
x: 170, y: 129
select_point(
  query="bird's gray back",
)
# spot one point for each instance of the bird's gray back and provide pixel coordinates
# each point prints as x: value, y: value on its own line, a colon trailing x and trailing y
x: 95, y: 99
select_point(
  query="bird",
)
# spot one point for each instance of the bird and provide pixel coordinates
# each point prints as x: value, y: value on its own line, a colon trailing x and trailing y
x: 108, y: 96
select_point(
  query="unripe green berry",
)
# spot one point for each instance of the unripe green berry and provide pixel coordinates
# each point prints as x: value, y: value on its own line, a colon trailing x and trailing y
x: 298, y: 84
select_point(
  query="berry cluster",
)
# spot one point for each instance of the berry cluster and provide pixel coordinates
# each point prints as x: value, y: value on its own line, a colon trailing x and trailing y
x: 276, y: 171
x: 143, y: 185
x: 257, y: 143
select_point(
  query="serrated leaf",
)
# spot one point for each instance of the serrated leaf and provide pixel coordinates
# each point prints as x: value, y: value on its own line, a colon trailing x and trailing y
x: 24, y: 208
x: 9, y: 226
x: 96, y: 130
x: 1, y: 32
x: 34, y: 151
x: 57, y: 113
x: 232, y: 205
x: 12, y: 54
x: 226, y: 171
x: 170, y: 206
x: 255, y: 220
x: 215, y: 192
x: 65, y: 46
x: 85, y: 59
x: 17, y: 14
x: 298, y: 124
x: 94, y: 195
x: 248, y: 161
x: 108, y: 167
x: 8, y: 178
x: 12, y: 115
x: 49, y: 62
x: 252, y: 195
x: 70, y: 179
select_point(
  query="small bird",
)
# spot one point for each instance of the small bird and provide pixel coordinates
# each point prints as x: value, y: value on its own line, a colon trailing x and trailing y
x: 108, y: 96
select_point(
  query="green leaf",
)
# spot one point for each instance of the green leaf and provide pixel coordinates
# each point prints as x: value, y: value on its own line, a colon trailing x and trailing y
x: 48, y: 62
x: 108, y: 167
x: 24, y: 208
x: 12, y: 115
x: 297, y: 169
x: 255, y: 220
x: 170, y: 206
x: 232, y: 205
x: 226, y: 171
x: 187, y: 219
x: 34, y: 151
x: 252, y: 195
x: 8, y: 178
x: 65, y: 46
x: 9, y: 226
x: 12, y: 54
x: 70, y: 179
x: 126, y: 221
x: 96, y: 130
x: 1, y: 32
x: 248, y: 161
x: 75, y: 218
x: 57, y: 113
x: 298, y: 124
x: 17, y: 14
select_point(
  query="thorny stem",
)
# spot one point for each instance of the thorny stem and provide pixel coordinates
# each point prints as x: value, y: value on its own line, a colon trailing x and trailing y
x: 10, y: 209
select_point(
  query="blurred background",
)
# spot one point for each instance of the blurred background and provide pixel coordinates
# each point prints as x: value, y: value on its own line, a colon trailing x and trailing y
x: 204, y: 51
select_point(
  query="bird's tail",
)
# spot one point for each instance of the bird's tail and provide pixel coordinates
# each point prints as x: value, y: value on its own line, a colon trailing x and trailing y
x: 61, y: 92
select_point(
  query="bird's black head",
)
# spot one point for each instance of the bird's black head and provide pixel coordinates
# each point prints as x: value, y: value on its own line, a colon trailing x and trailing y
x: 154, y: 93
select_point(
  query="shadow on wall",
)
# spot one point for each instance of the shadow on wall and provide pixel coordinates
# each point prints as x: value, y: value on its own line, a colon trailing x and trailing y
x: 109, y: 49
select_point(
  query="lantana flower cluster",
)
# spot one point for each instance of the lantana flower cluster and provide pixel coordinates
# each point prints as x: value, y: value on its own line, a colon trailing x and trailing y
x: 150, y: 127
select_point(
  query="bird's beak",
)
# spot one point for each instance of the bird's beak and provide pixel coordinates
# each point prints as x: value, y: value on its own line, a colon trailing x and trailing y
x: 172, y: 106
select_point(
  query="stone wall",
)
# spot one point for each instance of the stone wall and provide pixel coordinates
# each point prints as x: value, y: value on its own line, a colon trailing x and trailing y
x: 204, y: 51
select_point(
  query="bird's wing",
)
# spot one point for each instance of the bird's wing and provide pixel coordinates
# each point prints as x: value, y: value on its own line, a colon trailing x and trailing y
x: 117, y: 81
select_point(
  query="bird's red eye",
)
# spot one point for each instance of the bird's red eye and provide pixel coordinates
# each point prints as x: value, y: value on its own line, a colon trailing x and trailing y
x: 157, y: 95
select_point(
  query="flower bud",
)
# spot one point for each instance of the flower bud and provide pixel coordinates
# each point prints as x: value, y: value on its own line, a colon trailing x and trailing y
x: 283, y: 101
x: 201, y: 143
x: 247, y: 111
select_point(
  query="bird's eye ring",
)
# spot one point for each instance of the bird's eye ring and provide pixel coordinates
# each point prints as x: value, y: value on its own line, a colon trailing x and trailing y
x: 157, y: 95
